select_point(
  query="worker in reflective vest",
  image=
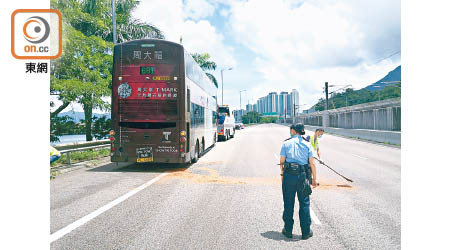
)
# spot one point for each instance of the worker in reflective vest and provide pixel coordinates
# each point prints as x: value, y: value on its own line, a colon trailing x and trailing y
x: 54, y: 154
x: 315, y: 141
x: 315, y: 144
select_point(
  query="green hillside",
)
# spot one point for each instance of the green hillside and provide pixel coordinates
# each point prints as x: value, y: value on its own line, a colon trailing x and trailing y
x: 374, y: 92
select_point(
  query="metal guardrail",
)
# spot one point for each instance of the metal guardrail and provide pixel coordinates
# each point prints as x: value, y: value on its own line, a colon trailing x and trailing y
x: 83, y: 146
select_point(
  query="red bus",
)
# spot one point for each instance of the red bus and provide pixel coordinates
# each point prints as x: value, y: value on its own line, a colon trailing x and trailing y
x: 163, y: 106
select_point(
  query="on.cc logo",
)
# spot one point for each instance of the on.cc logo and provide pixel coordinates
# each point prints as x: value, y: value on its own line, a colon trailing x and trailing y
x: 36, y: 29
x: 36, y: 34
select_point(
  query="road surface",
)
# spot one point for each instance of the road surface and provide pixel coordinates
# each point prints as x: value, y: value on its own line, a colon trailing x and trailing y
x: 231, y: 199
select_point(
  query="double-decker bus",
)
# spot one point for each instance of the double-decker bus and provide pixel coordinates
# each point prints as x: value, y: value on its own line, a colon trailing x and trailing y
x: 163, y: 106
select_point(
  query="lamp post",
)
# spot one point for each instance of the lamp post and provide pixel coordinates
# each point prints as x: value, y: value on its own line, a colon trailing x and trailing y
x: 240, y: 105
x: 221, y: 74
x: 114, y: 22
x: 295, y: 109
x: 240, y: 91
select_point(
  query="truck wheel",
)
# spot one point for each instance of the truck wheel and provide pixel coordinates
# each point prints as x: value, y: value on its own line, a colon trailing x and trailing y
x: 234, y: 132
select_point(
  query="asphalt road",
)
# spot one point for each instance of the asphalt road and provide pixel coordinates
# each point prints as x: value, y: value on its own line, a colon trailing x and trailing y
x: 231, y: 199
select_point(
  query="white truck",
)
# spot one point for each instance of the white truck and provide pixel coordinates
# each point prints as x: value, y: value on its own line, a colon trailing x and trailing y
x: 226, y: 124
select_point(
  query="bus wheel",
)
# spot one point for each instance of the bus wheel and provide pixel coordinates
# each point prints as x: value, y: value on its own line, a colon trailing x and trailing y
x: 195, y: 159
x: 234, y: 132
x: 203, y: 145
x: 215, y: 139
x: 202, y: 148
x: 227, y: 135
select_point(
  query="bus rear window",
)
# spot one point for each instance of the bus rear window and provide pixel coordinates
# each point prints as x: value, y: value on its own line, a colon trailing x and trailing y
x: 148, y: 125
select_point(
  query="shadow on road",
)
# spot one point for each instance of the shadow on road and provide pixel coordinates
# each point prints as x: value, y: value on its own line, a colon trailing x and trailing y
x: 145, y: 167
x: 142, y: 167
x: 277, y: 235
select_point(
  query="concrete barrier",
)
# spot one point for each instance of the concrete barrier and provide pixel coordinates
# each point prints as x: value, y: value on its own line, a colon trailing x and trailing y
x: 392, y: 137
x: 381, y: 115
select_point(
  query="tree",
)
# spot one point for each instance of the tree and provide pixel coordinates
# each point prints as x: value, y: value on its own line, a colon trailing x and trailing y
x: 203, y: 60
x: 251, y: 117
x: 101, y: 127
x: 353, y: 97
x: 63, y: 125
x: 83, y: 72
x: 269, y: 119
x: 212, y: 78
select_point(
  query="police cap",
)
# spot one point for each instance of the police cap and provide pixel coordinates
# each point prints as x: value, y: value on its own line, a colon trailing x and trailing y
x: 299, y: 128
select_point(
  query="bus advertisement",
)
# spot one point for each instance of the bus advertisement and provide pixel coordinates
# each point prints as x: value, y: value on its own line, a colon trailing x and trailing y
x: 163, y: 106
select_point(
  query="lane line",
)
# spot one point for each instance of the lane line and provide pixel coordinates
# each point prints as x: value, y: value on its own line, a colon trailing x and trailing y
x: 360, y: 156
x: 314, y: 217
x: 67, y: 229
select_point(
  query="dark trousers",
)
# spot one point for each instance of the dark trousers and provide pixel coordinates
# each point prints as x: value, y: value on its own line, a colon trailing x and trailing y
x: 291, y: 185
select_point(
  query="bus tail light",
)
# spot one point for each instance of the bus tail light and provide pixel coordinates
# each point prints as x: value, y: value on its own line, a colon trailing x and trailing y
x: 182, y: 139
x: 183, y: 133
x: 112, y: 132
x: 111, y: 138
x: 181, y: 150
x: 113, y: 149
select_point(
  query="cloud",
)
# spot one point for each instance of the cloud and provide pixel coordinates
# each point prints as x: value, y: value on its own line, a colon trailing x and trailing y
x: 303, y: 44
x: 177, y: 19
x: 202, y: 37
x: 198, y: 9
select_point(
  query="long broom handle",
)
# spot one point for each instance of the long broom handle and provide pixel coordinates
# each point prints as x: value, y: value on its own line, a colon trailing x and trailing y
x: 323, y: 163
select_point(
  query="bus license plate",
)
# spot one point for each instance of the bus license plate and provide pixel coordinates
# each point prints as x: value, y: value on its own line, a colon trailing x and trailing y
x: 148, y: 159
x: 144, y: 154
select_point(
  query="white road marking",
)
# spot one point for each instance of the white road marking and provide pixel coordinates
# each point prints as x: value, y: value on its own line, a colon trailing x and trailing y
x: 314, y: 217
x: 60, y: 233
x: 360, y: 156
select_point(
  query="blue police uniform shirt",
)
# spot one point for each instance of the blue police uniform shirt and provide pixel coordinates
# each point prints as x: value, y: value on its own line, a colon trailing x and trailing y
x: 296, y: 150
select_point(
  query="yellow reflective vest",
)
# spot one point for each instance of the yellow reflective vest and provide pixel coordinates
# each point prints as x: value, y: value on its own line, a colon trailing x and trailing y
x: 54, y: 151
x: 314, y: 142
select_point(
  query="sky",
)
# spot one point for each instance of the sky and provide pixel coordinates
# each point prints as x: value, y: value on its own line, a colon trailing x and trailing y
x: 280, y: 45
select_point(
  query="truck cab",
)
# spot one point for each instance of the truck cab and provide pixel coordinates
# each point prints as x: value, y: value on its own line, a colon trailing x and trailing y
x: 226, y: 123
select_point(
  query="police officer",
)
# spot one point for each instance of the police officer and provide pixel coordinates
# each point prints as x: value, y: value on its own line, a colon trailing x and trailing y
x: 295, y: 155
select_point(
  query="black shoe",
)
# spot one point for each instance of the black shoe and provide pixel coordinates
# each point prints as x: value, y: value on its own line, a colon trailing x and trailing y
x: 305, y: 237
x: 289, y: 235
